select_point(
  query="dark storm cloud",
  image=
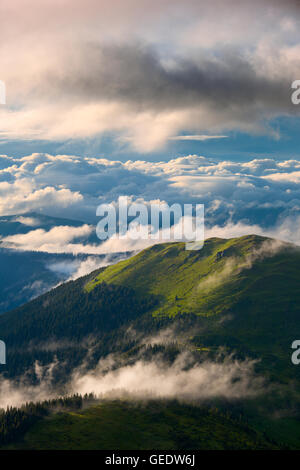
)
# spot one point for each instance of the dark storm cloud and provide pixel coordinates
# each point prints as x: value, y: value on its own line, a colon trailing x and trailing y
x: 137, y: 76
x: 146, y: 71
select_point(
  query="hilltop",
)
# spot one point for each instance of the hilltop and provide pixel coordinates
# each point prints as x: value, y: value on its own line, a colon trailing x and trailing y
x: 242, y: 293
x: 236, y: 298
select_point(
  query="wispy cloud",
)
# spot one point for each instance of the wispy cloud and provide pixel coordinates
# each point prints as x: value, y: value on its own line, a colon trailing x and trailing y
x: 183, y: 380
x: 200, y: 138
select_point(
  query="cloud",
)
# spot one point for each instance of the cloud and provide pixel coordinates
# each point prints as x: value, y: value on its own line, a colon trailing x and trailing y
x: 16, y: 394
x: 230, y: 379
x: 22, y: 195
x: 180, y: 68
x: 292, y: 177
x: 28, y: 221
x: 287, y: 231
x: 56, y: 240
x: 198, y: 137
x: 78, y: 267
x: 235, y: 265
x: 259, y: 196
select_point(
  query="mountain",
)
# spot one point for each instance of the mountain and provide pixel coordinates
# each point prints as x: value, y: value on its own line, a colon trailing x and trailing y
x: 26, y: 274
x: 23, y: 223
x: 123, y: 425
x: 235, y: 300
x: 244, y: 291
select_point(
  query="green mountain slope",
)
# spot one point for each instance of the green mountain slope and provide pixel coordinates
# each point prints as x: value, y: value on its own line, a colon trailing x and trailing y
x: 244, y: 291
x: 152, y: 425
x: 241, y: 295
x: 209, y: 280
x: 62, y: 323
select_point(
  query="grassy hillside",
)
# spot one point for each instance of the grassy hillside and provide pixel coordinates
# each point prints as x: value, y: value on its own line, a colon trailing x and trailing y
x: 241, y: 295
x: 152, y: 425
x: 210, y: 280
x: 245, y: 292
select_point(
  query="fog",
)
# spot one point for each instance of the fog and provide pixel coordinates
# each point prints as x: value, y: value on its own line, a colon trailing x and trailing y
x: 184, y: 380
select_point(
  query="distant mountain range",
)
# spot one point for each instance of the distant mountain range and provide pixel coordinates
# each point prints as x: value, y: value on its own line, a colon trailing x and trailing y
x: 23, y: 223
x: 233, y: 302
x: 27, y: 274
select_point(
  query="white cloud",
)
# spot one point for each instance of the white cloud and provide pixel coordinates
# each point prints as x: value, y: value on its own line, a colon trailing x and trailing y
x: 78, y: 267
x: 208, y: 74
x: 56, y: 240
x: 292, y: 177
x: 259, y: 196
x: 24, y: 195
x: 200, y: 138
x: 230, y: 379
x: 28, y: 221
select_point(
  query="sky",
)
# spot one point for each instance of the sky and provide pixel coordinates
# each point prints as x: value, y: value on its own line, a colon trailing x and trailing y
x: 128, y: 77
x: 172, y: 101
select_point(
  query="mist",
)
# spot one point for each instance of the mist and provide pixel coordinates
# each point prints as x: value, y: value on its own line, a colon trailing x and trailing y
x: 233, y: 265
x: 184, y: 380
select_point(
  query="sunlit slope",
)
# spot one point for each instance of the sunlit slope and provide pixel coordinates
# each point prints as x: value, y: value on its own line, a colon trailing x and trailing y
x: 213, y: 279
x: 246, y: 291
x: 239, y: 296
x: 242, y: 294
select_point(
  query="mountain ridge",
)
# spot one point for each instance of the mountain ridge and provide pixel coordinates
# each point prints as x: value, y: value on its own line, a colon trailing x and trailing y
x: 236, y: 299
x: 165, y: 283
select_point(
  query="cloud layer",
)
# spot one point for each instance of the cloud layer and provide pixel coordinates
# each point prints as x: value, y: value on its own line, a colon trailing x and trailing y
x: 259, y: 196
x: 229, y: 379
x: 202, y: 67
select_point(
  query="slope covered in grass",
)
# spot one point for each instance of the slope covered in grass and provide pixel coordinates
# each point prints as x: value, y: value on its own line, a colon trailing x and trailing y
x: 241, y: 295
x: 152, y: 425
x: 209, y: 280
x: 245, y: 292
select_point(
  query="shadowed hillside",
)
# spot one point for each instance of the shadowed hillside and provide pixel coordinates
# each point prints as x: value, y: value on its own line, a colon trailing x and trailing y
x: 235, y: 300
